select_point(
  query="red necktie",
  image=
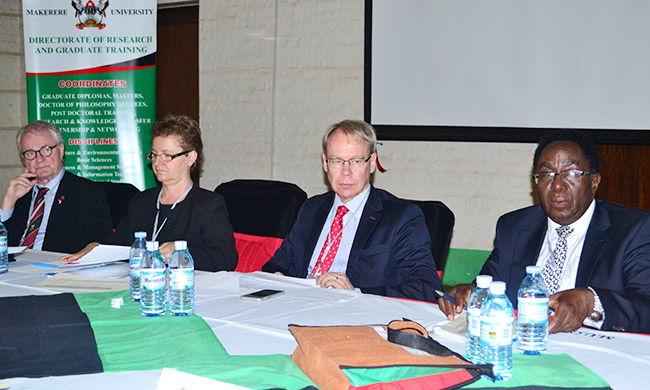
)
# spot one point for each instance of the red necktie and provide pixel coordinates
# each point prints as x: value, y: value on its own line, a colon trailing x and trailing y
x: 37, y: 217
x: 331, y: 245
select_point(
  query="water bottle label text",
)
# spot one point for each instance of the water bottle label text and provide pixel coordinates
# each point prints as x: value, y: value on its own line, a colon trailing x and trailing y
x: 135, y: 267
x: 474, y: 321
x: 153, y: 279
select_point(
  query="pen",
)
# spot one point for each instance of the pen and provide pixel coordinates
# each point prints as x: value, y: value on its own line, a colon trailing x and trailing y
x: 46, y: 265
x: 447, y: 297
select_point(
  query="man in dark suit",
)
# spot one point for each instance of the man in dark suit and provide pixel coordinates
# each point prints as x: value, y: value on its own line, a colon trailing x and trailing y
x: 602, y: 277
x: 357, y: 236
x: 70, y: 211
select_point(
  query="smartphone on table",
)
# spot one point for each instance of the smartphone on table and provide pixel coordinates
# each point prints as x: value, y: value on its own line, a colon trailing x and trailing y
x: 262, y: 295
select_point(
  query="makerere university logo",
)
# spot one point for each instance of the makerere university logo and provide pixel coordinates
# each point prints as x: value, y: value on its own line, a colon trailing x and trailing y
x: 90, y: 15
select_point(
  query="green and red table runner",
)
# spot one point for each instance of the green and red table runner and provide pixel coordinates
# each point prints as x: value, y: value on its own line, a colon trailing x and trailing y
x: 64, y: 334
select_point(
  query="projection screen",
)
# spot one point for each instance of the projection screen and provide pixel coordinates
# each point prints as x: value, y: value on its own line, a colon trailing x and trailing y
x: 508, y: 70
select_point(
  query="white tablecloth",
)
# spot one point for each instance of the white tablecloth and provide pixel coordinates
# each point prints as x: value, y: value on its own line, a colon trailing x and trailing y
x: 260, y: 328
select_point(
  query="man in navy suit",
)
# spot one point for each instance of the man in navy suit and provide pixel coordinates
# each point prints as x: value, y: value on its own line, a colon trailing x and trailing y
x: 603, y: 281
x: 357, y: 236
x: 75, y: 210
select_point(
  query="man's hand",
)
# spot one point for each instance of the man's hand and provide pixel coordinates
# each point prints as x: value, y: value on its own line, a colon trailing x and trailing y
x: 17, y: 188
x: 76, y: 256
x: 571, y: 308
x: 335, y: 280
x: 460, y: 293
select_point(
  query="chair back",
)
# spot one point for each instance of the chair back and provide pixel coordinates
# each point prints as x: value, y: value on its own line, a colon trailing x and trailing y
x: 440, y: 223
x: 118, y: 195
x: 266, y: 208
x: 254, y: 251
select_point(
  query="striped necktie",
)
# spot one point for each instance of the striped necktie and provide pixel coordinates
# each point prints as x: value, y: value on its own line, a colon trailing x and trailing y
x: 37, y: 217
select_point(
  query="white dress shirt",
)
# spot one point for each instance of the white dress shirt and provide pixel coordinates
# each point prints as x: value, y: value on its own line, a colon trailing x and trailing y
x: 575, y: 242
x: 349, y: 231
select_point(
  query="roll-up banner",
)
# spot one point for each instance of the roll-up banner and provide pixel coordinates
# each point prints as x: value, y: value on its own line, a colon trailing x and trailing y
x: 91, y: 70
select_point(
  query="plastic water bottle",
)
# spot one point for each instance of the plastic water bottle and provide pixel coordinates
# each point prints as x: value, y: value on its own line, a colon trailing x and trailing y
x: 135, y: 257
x: 4, y: 256
x: 497, y: 320
x: 181, y: 281
x: 152, y: 281
x: 474, y: 318
x: 532, y: 313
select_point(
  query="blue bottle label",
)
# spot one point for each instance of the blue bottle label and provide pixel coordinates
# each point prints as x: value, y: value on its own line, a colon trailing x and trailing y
x: 496, y: 331
x: 3, y: 244
x: 532, y: 310
x: 153, y: 279
x: 135, y: 266
x: 474, y: 321
x: 181, y: 279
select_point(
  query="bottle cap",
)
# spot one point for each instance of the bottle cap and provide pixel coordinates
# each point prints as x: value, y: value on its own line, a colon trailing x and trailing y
x: 180, y: 245
x: 140, y: 234
x: 152, y: 245
x: 483, y: 281
x: 498, y: 288
x: 533, y: 270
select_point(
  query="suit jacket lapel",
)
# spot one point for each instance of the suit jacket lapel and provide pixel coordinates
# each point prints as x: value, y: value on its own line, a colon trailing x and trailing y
x: 21, y: 209
x: 316, y: 228
x: 599, y: 230
x: 57, y: 213
x: 369, y: 218
x: 173, y: 227
x: 527, y: 247
x: 20, y: 216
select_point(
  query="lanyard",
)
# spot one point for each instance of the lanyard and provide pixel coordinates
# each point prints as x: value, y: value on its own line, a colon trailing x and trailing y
x: 156, y: 230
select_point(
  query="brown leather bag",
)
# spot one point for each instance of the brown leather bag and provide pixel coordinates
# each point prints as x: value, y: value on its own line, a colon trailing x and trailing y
x: 345, y: 357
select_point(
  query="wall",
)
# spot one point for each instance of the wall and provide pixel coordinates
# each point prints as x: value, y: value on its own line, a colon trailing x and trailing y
x: 275, y: 74
x: 13, y: 102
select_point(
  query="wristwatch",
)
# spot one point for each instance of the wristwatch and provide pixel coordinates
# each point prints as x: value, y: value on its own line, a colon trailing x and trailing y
x: 596, y: 316
x: 598, y: 312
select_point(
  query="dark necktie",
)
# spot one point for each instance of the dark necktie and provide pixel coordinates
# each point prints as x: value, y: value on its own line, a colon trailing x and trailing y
x: 331, y: 245
x: 553, y: 268
x: 37, y: 217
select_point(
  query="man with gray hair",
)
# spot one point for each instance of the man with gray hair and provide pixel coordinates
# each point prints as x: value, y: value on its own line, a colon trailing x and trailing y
x: 358, y: 236
x: 47, y: 208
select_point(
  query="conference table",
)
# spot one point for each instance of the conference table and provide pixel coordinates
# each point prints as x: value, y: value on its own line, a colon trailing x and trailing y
x: 261, y: 328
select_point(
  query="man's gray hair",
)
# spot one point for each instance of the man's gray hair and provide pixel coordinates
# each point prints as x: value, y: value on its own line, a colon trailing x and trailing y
x: 358, y: 130
x: 38, y: 126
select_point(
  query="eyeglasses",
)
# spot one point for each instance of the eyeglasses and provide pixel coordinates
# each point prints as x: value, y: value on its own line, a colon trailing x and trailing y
x: 45, y: 151
x: 354, y: 163
x: 572, y: 176
x: 164, y: 157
